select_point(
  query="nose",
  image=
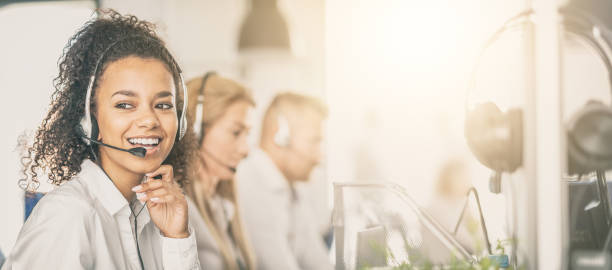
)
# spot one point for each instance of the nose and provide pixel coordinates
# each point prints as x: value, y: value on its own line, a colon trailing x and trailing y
x: 243, y: 147
x: 147, y: 119
x: 318, y: 154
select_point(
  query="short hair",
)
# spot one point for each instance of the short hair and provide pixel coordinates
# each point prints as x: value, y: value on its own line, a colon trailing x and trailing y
x: 289, y: 100
x: 285, y: 103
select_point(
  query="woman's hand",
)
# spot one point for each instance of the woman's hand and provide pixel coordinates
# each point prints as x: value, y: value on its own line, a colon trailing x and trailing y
x: 166, y: 202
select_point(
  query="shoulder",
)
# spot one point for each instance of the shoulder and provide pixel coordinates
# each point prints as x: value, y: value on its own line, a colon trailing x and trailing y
x: 196, y: 220
x: 204, y: 240
x: 69, y: 201
x: 60, y: 227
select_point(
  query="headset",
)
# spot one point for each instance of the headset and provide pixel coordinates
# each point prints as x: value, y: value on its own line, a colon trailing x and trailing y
x: 496, y: 138
x: 88, y: 126
x: 198, y: 124
x: 282, y: 137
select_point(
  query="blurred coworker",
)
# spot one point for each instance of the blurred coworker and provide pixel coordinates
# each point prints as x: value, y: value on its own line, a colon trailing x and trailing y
x: 218, y: 110
x: 283, y: 231
x: 451, y: 188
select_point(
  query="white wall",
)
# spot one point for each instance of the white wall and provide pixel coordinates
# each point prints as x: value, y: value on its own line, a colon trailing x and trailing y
x: 29, y: 52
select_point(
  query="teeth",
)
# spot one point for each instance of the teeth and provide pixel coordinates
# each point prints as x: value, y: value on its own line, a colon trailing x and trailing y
x: 144, y: 141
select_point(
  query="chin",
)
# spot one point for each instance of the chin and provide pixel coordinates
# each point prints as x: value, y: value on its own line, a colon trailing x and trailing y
x: 303, y: 178
x: 143, y: 166
x: 140, y: 165
x: 227, y: 177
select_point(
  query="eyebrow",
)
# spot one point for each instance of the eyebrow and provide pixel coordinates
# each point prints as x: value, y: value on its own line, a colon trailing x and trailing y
x: 239, y: 124
x: 164, y: 94
x: 125, y: 93
x: 132, y: 94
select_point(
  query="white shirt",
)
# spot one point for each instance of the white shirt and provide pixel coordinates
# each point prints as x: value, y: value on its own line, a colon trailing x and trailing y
x: 86, y: 223
x: 281, y: 228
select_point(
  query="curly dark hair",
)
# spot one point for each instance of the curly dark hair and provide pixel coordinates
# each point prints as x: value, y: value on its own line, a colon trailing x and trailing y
x: 57, y: 148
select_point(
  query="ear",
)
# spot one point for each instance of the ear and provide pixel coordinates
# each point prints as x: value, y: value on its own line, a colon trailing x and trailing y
x: 94, y: 129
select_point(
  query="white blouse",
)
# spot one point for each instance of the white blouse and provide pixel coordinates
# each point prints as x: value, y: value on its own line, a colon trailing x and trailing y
x: 86, y: 223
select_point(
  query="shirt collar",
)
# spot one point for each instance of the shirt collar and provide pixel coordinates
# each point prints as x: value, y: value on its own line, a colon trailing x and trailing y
x: 104, y: 190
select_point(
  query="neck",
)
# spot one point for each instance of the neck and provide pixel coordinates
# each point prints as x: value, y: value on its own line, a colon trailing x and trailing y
x: 209, y: 181
x: 278, y: 159
x: 124, y: 180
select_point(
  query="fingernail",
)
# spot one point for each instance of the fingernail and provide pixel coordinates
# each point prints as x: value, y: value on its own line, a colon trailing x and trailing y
x: 139, y: 196
x: 137, y: 188
x: 155, y: 199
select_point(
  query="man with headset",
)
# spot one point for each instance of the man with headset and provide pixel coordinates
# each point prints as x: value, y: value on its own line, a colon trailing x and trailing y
x: 281, y: 227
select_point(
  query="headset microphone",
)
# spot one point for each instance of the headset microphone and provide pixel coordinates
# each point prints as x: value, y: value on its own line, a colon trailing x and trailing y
x: 215, y: 159
x: 136, y: 151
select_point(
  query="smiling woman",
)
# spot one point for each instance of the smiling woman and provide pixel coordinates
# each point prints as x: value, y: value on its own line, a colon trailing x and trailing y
x: 118, y: 86
x: 135, y: 108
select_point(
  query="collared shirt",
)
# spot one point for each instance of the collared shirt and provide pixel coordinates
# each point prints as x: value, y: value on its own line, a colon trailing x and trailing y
x: 86, y: 223
x: 283, y: 234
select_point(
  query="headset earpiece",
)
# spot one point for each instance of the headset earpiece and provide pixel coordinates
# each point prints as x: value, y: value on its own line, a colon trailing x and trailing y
x: 182, y: 128
x: 198, y: 125
x: 589, y: 139
x: 494, y: 137
x: 282, y: 136
x: 86, y: 123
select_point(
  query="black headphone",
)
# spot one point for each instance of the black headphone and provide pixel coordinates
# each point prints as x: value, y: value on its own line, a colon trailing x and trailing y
x: 198, y: 123
x: 496, y: 138
x: 88, y: 124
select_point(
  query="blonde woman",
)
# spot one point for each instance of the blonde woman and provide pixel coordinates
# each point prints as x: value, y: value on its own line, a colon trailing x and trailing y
x: 218, y: 112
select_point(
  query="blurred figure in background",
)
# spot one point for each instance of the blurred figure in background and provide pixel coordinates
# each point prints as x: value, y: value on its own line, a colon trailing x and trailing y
x: 451, y: 189
x: 280, y: 223
x: 218, y: 110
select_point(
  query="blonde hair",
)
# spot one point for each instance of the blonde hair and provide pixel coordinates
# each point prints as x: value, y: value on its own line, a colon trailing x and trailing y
x: 289, y: 100
x: 285, y: 103
x: 219, y: 94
